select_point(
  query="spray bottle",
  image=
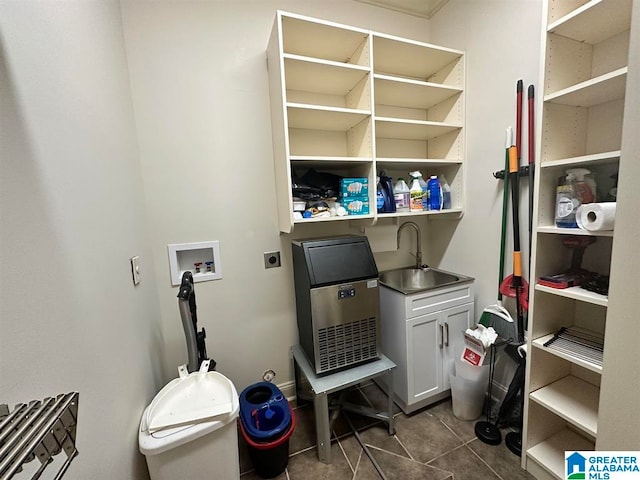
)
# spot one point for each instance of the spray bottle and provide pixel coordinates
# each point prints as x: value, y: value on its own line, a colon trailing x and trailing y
x: 415, y: 201
x: 584, y: 185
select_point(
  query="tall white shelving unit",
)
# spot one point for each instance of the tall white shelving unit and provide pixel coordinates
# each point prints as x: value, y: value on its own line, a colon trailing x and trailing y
x: 354, y: 102
x: 585, y: 66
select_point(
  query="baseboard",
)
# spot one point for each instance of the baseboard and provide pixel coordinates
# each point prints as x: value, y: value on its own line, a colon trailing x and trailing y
x: 288, y: 389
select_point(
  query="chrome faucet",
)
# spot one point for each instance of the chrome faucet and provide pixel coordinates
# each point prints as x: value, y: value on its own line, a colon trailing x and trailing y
x: 418, y: 241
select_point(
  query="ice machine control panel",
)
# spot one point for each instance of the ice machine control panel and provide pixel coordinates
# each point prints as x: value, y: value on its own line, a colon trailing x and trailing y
x: 346, y: 292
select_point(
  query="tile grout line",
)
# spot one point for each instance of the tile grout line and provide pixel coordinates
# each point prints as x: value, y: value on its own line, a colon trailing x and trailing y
x: 413, y: 459
x: 344, y: 453
x: 443, y: 454
x: 357, y: 464
x: 404, y: 448
x: 482, y: 460
x: 466, y: 443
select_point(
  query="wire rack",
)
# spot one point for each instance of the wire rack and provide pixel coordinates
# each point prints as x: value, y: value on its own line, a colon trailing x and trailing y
x: 38, y: 430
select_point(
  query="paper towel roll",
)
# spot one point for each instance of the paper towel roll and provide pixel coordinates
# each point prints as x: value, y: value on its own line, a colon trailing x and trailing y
x: 596, y: 216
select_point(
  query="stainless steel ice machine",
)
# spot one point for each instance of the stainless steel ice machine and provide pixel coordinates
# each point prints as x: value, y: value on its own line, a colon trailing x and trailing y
x: 337, y: 301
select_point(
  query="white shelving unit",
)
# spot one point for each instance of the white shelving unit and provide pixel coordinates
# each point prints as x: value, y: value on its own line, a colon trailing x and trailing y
x: 354, y: 102
x: 585, y: 54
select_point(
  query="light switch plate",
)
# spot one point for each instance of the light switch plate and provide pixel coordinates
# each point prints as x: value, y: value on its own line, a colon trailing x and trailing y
x: 135, y: 269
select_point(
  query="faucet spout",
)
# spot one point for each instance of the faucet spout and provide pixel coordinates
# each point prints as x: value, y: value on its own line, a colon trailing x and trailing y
x: 418, y: 241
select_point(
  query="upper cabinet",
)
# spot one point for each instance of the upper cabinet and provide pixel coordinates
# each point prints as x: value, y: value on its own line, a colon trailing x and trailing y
x: 355, y: 103
x: 585, y: 54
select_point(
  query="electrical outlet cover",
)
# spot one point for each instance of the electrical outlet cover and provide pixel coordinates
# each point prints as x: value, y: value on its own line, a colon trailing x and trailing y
x: 271, y: 259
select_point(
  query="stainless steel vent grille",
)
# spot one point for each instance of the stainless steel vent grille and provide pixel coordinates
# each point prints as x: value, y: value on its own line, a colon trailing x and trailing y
x: 347, y: 344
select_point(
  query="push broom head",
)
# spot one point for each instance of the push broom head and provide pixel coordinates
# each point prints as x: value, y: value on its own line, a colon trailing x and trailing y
x: 498, y: 317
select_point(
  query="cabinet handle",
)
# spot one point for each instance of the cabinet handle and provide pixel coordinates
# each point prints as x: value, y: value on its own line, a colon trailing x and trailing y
x: 446, y: 329
x: 441, y: 336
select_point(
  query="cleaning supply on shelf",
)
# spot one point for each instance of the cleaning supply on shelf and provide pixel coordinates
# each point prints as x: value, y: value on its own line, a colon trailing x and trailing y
x: 425, y: 193
x: 585, y: 185
x: 415, y: 192
x: 446, y: 192
x: 567, y: 202
x: 379, y: 196
x: 386, y: 184
x: 402, y: 195
x: 435, y: 193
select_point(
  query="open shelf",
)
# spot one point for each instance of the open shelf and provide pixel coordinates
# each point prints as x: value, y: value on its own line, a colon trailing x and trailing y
x: 602, y: 89
x: 426, y: 212
x: 411, y: 129
x: 575, y: 293
x: 594, y: 21
x: 413, y: 163
x: 583, y: 160
x: 411, y: 59
x: 572, y: 399
x: 351, y: 102
x: 314, y: 117
x: 410, y: 93
x: 581, y: 131
x: 320, y: 76
x: 312, y: 160
x: 332, y: 219
x: 589, y: 365
x: 573, y: 231
x: 549, y: 454
x: 325, y: 40
x: 585, y: 62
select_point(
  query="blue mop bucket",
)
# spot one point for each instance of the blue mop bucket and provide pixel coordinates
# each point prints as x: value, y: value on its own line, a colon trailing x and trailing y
x: 266, y: 423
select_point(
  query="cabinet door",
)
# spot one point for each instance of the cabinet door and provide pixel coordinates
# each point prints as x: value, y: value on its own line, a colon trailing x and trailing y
x: 424, y: 351
x: 454, y: 322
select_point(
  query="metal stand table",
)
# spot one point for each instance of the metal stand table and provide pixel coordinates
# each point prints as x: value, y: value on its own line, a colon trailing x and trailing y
x: 324, y: 385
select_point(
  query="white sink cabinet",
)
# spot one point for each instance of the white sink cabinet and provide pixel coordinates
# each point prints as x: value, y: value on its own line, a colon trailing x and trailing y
x: 422, y: 333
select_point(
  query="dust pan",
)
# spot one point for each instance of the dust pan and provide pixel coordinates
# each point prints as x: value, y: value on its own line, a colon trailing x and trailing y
x: 498, y: 317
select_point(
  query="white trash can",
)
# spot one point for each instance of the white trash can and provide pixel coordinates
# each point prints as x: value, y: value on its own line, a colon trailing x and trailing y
x: 468, y: 387
x: 189, y: 430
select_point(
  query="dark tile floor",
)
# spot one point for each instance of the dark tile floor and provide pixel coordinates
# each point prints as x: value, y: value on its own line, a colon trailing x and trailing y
x: 430, y: 444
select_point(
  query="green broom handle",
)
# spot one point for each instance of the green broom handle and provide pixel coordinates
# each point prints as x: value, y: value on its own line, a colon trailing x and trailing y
x: 505, y: 200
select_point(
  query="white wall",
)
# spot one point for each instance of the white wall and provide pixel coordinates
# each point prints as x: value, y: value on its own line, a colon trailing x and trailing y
x: 72, y: 214
x: 200, y: 92
x: 501, y: 39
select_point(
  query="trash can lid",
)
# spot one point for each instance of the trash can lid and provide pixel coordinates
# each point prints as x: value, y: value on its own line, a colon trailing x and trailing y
x: 187, y: 408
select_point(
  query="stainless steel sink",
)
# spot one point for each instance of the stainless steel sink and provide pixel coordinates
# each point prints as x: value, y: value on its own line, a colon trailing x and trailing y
x: 412, y: 280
